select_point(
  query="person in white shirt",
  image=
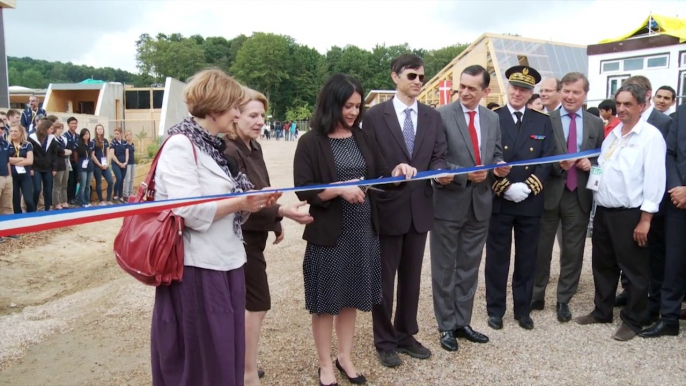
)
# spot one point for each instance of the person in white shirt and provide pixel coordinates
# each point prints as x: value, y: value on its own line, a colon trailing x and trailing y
x: 631, y: 185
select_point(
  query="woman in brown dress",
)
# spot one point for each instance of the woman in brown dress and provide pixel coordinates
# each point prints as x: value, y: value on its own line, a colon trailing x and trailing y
x: 243, y: 148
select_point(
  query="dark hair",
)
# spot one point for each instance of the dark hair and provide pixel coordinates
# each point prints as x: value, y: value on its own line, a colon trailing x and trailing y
x: 82, y: 133
x: 608, y: 104
x: 52, y: 118
x: 639, y: 80
x: 328, y: 110
x: 12, y: 112
x: 574, y: 77
x: 475, y: 70
x: 406, y: 61
x: 42, y: 130
x: 72, y: 119
x: 594, y: 111
x: 636, y: 90
x: 667, y: 88
x: 533, y: 98
x: 492, y: 105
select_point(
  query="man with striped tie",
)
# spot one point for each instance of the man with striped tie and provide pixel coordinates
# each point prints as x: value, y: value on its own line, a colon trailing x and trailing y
x: 407, y: 132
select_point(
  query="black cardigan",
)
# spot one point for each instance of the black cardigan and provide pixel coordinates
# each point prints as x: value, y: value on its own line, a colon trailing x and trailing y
x: 46, y: 160
x: 314, y: 164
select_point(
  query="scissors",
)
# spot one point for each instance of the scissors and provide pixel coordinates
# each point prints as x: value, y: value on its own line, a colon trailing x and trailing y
x: 368, y: 187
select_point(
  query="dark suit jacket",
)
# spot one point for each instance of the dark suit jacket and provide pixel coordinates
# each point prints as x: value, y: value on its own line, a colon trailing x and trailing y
x: 594, y: 133
x: 660, y: 120
x: 409, y: 203
x: 461, y: 194
x: 520, y: 146
x: 314, y: 164
x: 676, y: 150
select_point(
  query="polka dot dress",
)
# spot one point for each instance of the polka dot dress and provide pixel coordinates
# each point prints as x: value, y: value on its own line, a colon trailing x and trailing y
x: 347, y: 275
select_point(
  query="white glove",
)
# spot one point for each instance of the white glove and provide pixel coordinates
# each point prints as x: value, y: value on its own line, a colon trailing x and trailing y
x: 517, y: 192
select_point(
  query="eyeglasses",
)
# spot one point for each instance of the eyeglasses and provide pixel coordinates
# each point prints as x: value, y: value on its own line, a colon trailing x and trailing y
x: 414, y: 75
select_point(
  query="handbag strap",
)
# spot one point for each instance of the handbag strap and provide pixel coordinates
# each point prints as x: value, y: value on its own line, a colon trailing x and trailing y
x: 146, y: 191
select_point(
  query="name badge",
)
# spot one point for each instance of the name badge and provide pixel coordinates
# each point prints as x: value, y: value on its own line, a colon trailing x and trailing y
x: 84, y: 164
x: 20, y: 170
x: 594, y: 177
x: 103, y: 161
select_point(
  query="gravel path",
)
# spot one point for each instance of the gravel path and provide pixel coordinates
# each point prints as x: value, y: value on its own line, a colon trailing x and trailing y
x: 90, y: 324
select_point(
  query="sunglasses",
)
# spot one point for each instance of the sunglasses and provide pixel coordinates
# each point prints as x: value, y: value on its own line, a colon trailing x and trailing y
x: 413, y: 76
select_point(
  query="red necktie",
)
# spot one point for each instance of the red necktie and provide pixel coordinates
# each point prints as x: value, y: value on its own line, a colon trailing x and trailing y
x: 572, y: 182
x: 475, y: 139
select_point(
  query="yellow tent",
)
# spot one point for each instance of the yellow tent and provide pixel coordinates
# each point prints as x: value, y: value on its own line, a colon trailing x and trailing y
x: 665, y: 25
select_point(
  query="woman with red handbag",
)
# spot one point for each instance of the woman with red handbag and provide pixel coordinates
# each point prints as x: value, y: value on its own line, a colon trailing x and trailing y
x: 198, y: 323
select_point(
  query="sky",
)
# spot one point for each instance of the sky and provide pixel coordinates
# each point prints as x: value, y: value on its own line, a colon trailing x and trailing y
x: 103, y: 32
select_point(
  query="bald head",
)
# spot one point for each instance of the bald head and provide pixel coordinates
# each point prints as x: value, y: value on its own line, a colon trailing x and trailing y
x: 550, y: 93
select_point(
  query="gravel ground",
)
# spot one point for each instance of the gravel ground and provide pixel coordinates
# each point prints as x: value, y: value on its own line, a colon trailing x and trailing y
x: 71, y: 317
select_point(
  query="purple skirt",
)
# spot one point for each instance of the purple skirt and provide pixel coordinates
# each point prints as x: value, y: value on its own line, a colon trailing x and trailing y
x: 198, y: 329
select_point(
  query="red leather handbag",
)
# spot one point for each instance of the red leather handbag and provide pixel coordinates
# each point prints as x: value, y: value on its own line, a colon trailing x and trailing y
x: 149, y: 246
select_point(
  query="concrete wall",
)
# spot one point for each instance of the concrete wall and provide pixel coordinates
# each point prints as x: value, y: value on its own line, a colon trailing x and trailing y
x: 669, y: 76
x: 110, y: 104
x: 4, y: 78
x: 174, y: 108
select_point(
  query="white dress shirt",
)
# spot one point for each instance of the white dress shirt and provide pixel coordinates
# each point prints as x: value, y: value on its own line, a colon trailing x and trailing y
x: 646, y: 114
x: 477, y: 124
x: 545, y: 109
x: 400, y: 108
x: 567, y: 120
x: 512, y: 112
x: 633, y: 165
x: 208, y: 243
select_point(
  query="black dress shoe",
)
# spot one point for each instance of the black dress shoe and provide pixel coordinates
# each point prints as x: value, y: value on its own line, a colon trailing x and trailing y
x: 621, y: 299
x: 260, y: 373
x: 538, y: 305
x: 358, y: 380
x: 448, y: 341
x: 563, y: 313
x: 525, y: 322
x: 471, y: 335
x: 389, y: 358
x: 661, y: 328
x: 495, y: 322
x: 415, y: 351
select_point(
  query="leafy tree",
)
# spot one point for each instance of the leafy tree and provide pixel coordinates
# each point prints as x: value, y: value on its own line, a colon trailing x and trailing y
x: 299, y: 113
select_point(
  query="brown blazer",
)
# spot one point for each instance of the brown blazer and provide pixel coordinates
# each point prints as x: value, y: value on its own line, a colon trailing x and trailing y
x: 410, y: 202
x: 314, y: 164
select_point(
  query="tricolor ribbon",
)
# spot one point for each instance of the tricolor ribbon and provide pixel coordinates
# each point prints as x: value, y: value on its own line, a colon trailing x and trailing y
x: 15, y: 224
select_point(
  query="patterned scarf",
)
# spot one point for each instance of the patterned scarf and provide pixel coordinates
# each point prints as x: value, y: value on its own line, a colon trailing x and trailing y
x: 214, y: 147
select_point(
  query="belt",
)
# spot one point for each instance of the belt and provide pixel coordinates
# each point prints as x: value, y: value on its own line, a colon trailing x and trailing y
x: 620, y: 209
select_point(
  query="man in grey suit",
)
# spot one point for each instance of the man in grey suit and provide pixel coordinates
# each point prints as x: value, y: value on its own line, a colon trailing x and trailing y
x: 567, y: 200
x: 463, y: 207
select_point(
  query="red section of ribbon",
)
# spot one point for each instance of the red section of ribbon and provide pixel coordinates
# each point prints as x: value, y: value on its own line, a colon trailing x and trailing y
x: 101, y: 217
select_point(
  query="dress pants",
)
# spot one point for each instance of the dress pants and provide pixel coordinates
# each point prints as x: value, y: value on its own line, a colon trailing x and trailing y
x: 674, y: 283
x: 614, y: 249
x: 72, y: 181
x: 403, y: 255
x: 574, y: 226
x: 498, y: 248
x: 656, y: 245
x: 456, y: 250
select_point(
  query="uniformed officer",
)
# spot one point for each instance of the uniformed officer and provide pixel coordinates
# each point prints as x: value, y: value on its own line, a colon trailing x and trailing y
x: 518, y: 201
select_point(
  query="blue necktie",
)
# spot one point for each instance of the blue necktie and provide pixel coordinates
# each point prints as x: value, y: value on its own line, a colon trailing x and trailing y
x: 408, y: 131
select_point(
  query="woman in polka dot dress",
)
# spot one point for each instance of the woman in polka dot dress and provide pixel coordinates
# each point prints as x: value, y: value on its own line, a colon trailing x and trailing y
x: 342, y: 267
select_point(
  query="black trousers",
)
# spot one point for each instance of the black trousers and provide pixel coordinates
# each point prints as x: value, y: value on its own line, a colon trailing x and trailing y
x: 498, y: 248
x: 674, y: 284
x: 614, y: 249
x: 72, y: 182
x: 403, y: 255
x: 657, y: 247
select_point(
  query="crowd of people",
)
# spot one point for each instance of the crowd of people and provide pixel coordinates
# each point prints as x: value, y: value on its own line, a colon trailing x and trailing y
x: 287, y: 130
x: 362, y: 239
x: 44, y: 167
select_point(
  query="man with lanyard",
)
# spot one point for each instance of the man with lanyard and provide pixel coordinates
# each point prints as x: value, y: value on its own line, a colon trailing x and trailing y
x: 28, y: 117
x: 72, y: 144
x: 629, y: 182
x: 5, y: 180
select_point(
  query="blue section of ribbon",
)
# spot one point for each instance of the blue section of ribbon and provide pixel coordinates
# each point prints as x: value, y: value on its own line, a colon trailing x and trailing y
x: 429, y: 174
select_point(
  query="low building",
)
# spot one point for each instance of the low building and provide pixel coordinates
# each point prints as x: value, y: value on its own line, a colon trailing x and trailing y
x: 497, y: 53
x: 656, y: 50
x: 374, y: 97
x: 19, y: 96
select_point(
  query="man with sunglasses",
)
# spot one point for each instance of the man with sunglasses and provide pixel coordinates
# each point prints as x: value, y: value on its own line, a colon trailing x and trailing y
x: 407, y: 132
x: 518, y: 203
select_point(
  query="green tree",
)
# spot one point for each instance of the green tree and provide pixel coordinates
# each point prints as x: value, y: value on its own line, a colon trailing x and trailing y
x: 33, y: 79
x: 299, y: 113
x: 14, y: 77
x: 435, y: 60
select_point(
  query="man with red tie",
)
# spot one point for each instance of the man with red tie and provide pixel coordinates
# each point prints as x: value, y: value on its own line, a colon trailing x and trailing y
x: 566, y: 199
x: 461, y: 224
